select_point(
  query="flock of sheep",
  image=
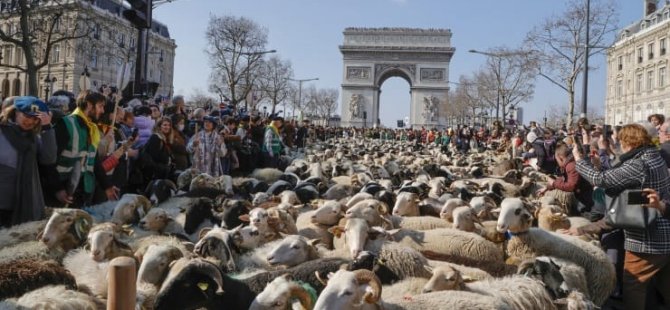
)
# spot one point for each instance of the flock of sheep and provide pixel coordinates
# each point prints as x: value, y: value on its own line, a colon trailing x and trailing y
x: 348, y: 225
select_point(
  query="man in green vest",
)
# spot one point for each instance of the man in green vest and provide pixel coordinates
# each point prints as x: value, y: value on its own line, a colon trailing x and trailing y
x: 272, y: 144
x: 77, y: 171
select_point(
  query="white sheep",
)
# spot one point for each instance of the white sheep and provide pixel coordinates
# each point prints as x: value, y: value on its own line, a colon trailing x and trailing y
x: 466, y: 219
x: 88, y: 273
x: 284, y: 293
x: 54, y: 297
x: 446, y: 213
x: 527, y: 242
x: 159, y: 221
x: 21, y: 233
x: 406, y: 204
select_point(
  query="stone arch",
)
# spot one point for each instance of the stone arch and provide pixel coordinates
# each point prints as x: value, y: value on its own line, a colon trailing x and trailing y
x: 372, y: 55
x: 16, y: 90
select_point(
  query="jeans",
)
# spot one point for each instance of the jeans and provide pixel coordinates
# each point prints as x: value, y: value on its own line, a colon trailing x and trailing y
x: 643, y: 275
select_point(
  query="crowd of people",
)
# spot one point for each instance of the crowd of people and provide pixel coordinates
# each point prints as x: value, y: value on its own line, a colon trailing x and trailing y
x: 74, y: 151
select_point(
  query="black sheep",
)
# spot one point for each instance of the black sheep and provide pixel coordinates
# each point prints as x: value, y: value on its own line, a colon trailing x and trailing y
x: 369, y: 261
x: 198, y: 284
x: 305, y: 272
x: 198, y: 212
x: 232, y: 210
x: 22, y: 276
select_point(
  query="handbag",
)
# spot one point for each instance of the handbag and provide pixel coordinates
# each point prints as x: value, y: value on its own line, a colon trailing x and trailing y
x: 620, y: 214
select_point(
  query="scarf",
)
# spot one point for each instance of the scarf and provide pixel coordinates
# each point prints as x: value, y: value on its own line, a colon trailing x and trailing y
x: 25, y: 208
x: 93, y: 131
x: 274, y: 129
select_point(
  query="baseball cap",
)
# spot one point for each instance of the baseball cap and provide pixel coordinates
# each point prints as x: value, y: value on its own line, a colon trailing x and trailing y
x: 30, y: 105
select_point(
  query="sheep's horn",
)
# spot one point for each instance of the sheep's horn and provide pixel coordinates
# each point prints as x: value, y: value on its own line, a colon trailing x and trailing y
x: 302, y: 295
x: 146, y: 204
x: 82, y: 223
x: 320, y: 278
x: 171, y: 185
x: 368, y: 277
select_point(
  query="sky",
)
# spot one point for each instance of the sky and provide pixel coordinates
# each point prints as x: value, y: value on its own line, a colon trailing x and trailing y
x: 308, y: 33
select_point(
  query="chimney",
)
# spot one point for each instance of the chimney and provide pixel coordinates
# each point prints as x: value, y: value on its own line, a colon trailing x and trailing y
x: 650, y: 7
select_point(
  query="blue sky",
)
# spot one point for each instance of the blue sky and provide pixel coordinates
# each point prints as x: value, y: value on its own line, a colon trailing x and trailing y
x: 308, y: 32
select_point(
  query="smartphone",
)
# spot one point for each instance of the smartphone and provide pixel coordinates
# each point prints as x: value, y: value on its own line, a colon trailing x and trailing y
x: 637, y: 197
x: 136, y: 132
x: 607, y: 130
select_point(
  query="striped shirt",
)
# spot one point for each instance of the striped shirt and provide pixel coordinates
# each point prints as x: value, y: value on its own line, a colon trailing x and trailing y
x: 646, y: 169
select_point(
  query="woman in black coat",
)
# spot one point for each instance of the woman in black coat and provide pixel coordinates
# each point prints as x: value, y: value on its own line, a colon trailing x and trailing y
x: 157, y: 158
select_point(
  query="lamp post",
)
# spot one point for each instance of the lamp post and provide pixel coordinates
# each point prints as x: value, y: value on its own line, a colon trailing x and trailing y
x: 585, y: 88
x: 265, y: 109
x: 300, y: 81
x: 49, y: 82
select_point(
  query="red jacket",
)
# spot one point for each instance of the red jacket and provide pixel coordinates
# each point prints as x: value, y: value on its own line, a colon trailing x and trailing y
x: 571, y: 181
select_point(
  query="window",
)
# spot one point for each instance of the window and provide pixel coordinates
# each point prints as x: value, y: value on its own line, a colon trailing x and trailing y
x: 57, y: 24
x: 55, y: 53
x: 638, y: 83
x: 19, y: 59
x: 68, y: 51
x: 132, y: 42
x: 620, y: 63
x: 122, y: 40
x: 650, y: 80
x: 98, y: 29
x: 94, y: 59
x: 619, y: 89
x: 639, y: 55
x: 650, y: 49
x: 661, y: 77
x: 661, y: 45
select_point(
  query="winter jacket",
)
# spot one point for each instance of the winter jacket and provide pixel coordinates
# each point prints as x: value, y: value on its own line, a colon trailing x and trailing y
x: 570, y: 181
x: 145, y: 126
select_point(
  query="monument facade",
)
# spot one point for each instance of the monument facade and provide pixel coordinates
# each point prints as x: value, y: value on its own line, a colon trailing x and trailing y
x: 373, y: 55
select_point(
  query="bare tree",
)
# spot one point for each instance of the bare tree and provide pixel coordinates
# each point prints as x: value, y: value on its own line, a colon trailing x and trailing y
x: 274, y: 80
x: 200, y: 99
x: 507, y: 79
x: 41, y: 26
x: 558, y: 44
x: 235, y: 48
x: 321, y: 102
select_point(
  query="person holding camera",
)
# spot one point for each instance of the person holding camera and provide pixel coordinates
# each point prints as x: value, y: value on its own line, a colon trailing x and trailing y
x: 647, y: 257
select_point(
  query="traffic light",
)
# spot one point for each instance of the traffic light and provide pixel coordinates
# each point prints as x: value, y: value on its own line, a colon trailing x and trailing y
x: 140, y: 13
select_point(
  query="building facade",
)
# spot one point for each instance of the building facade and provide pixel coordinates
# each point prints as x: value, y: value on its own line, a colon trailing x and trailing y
x: 637, y: 68
x: 111, y: 43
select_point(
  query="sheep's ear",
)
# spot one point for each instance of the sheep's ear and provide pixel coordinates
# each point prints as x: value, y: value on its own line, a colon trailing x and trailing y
x: 468, y: 279
x: 375, y: 232
x: 496, y: 212
x: 428, y: 268
x: 244, y: 218
x: 314, y: 242
x: 561, y: 301
x: 203, y: 232
x: 337, y: 231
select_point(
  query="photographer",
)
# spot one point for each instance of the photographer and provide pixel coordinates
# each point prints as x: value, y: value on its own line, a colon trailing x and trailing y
x: 647, y: 252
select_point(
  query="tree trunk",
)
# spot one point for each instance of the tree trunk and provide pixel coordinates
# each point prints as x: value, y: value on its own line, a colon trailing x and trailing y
x: 571, y: 107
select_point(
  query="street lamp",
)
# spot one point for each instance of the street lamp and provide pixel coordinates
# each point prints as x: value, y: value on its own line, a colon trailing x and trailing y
x: 265, y: 109
x: 300, y: 92
x: 49, y: 82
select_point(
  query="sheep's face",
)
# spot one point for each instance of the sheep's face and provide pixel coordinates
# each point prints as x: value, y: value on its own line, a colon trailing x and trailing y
x: 203, y: 181
x: 276, y: 295
x: 57, y: 226
x: 101, y: 242
x: 289, y: 197
x: 406, y: 204
x: 217, y: 244
x: 156, y: 262
x: 514, y: 217
x: 444, y: 279
x: 291, y: 251
x: 190, y: 284
x: 546, y: 270
x: 155, y: 220
x: 247, y: 237
x: 260, y: 198
x: 464, y: 219
x: 447, y: 212
x: 258, y: 218
x: 369, y: 210
x: 342, y: 292
x: 328, y: 214
x: 196, y: 213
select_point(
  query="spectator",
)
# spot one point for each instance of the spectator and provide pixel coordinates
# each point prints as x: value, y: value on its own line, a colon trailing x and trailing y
x: 647, y: 257
x: 302, y: 134
x: 155, y: 112
x: 127, y: 123
x: 59, y: 107
x: 178, y: 142
x: 77, y: 138
x: 230, y: 161
x: 289, y: 133
x: 26, y: 138
x: 177, y: 107
x: 144, y: 124
x: 272, y: 144
x: 208, y: 147
x: 157, y: 161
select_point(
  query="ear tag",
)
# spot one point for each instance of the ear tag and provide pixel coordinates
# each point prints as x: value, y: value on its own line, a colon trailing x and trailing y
x: 203, y: 286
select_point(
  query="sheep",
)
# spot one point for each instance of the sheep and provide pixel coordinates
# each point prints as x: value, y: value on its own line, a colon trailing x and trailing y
x: 361, y: 289
x: 22, y: 276
x: 66, y: 228
x: 519, y: 292
x: 373, y: 211
x: 154, y: 265
x: 89, y: 274
x: 573, y: 275
x: 406, y: 204
x: 356, y: 199
x: 159, y: 221
x: 407, y: 287
x: 315, y: 224
x: 575, y: 301
x: 446, y: 213
x: 449, y: 241
x: 21, y: 233
x: 293, y: 250
x: 401, y: 260
x: 185, y: 177
x: 465, y: 219
x: 54, y: 297
x: 527, y: 242
x: 483, y: 207
x: 31, y: 250
x: 197, y: 283
x: 418, y: 222
x: 281, y: 293
x: 130, y: 209
x: 160, y: 190
x: 220, y: 245
x: 106, y: 244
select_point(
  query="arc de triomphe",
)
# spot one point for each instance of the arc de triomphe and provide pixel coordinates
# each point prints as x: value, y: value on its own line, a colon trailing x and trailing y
x: 372, y: 55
